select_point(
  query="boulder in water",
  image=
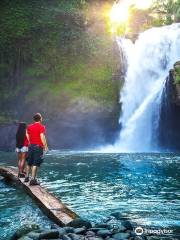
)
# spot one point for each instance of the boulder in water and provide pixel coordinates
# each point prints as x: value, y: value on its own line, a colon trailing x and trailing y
x: 74, y: 236
x: 127, y: 224
x: 69, y: 229
x: 61, y: 231
x: 66, y: 237
x: 25, y: 238
x: 23, y: 230
x: 49, y: 234
x: 104, y: 233
x: 96, y: 229
x: 79, y: 222
x: 33, y: 235
x: 80, y: 230
x: 90, y: 233
x: 101, y: 225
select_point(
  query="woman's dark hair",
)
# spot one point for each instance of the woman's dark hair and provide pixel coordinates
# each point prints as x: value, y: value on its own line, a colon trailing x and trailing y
x: 20, y: 134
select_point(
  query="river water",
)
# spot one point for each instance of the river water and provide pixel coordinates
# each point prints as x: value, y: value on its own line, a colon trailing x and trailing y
x: 143, y: 187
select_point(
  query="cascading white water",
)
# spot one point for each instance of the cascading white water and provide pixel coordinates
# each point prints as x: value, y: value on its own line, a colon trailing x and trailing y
x: 149, y: 61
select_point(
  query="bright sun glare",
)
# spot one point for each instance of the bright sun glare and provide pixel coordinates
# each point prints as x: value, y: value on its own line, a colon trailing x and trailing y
x: 120, y: 11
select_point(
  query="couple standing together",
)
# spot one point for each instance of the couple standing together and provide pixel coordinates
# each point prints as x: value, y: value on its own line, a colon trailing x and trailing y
x: 31, y: 145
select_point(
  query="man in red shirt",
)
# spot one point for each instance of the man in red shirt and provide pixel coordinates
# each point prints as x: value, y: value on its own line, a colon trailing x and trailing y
x: 38, y: 146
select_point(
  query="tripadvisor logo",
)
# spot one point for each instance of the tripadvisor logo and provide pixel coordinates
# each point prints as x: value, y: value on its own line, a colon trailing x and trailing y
x: 139, y: 231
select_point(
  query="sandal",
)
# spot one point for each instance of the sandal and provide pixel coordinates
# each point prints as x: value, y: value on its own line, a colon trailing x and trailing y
x: 33, y: 182
x: 21, y: 175
x: 26, y: 179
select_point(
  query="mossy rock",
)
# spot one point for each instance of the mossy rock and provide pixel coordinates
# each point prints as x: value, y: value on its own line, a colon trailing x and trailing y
x: 177, y: 79
x: 177, y: 71
x: 171, y: 71
x: 177, y: 68
x: 177, y: 64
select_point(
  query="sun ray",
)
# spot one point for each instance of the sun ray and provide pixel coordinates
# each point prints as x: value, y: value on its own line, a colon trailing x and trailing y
x: 119, y: 13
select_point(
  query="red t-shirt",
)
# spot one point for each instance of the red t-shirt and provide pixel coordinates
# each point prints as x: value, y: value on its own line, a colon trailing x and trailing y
x: 34, y: 130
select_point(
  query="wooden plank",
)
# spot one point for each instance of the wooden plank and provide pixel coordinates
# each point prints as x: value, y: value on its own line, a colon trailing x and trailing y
x: 50, y: 205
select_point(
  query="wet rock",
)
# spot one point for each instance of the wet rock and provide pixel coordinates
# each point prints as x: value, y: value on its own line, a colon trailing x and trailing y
x: 54, y: 226
x: 177, y: 64
x: 156, y: 238
x: 95, y: 229
x: 66, y: 237
x: 127, y: 224
x: 74, y: 236
x: 81, y: 237
x: 117, y: 228
x: 61, y: 231
x: 34, y: 235
x: 90, y: 234
x: 69, y: 229
x: 79, y: 222
x: 49, y: 234
x: 121, y: 236
x: 104, y: 233
x: 80, y: 230
x: 25, y: 238
x: 101, y: 225
x: 23, y: 230
x: 94, y: 238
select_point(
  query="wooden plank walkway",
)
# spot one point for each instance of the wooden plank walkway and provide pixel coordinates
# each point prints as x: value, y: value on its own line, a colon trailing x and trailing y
x: 50, y: 205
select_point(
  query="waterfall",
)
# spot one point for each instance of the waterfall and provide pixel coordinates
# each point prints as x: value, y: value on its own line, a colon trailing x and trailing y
x: 149, y: 60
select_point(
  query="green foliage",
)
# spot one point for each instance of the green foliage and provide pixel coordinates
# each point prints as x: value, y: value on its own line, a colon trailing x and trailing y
x: 177, y: 80
x: 121, y: 29
x: 177, y: 70
x: 177, y: 74
x: 161, y: 13
x: 167, y: 12
x: 46, y: 50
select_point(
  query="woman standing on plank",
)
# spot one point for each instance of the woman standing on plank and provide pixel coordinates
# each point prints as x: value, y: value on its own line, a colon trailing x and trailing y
x: 22, y: 143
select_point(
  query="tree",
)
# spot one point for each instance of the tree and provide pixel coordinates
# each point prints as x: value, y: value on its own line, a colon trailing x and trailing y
x: 168, y: 11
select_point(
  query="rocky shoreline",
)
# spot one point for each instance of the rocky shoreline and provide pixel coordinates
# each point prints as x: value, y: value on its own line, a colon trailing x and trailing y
x: 115, y: 227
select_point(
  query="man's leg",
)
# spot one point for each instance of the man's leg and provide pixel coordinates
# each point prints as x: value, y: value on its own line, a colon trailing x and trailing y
x: 37, y: 160
x: 34, y: 171
x: 34, y: 174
